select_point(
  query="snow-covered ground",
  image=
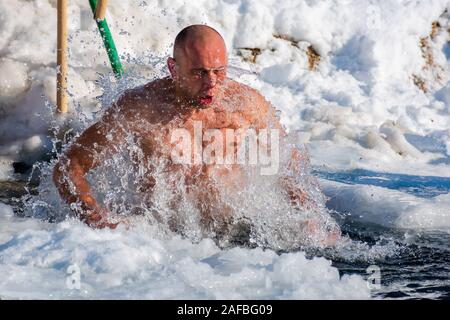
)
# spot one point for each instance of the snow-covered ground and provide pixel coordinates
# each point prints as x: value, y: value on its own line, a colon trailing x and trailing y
x: 365, y: 82
x: 112, y: 264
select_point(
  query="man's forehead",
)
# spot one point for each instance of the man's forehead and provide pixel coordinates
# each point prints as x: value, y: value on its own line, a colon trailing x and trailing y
x: 206, y: 57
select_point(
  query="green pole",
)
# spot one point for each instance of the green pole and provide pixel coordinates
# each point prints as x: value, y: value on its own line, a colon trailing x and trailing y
x: 108, y: 42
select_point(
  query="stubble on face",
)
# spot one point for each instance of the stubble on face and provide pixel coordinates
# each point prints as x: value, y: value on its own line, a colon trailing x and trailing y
x: 201, y: 67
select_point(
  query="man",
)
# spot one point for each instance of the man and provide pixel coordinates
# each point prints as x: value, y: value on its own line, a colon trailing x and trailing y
x: 198, y: 91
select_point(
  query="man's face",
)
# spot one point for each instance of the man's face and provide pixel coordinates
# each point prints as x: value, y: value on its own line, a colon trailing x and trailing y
x: 200, y: 71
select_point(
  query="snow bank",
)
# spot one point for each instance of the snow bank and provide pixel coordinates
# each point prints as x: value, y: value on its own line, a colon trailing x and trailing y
x: 375, y: 57
x: 36, y: 258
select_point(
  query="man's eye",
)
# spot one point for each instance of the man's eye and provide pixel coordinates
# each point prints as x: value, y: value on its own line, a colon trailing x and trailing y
x: 204, y: 73
x: 199, y: 73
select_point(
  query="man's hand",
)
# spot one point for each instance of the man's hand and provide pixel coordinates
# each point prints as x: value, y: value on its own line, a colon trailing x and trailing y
x: 88, y: 151
x: 101, y: 218
x: 97, y: 219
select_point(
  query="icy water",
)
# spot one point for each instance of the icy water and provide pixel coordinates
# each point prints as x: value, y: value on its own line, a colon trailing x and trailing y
x: 421, y: 186
x: 414, y: 264
x: 421, y: 268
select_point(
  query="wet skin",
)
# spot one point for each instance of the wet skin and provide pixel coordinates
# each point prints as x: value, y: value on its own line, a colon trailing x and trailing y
x: 149, y: 114
x: 197, y: 90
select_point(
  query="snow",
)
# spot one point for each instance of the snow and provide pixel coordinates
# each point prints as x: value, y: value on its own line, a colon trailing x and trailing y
x: 38, y: 260
x: 369, y: 55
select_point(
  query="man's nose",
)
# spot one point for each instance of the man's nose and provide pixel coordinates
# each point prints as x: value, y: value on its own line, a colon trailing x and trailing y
x: 210, y: 79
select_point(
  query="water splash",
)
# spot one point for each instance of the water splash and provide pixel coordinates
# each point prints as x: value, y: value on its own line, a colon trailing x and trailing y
x: 256, y: 211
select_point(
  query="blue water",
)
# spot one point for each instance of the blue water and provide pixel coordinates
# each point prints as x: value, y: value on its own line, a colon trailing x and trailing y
x: 421, y: 186
x: 421, y: 267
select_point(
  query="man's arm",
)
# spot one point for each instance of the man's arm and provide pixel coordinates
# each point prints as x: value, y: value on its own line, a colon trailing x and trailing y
x: 266, y: 117
x: 313, y: 227
x: 96, y: 143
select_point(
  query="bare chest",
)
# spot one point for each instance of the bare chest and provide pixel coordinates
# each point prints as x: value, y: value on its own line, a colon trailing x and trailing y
x: 202, y: 145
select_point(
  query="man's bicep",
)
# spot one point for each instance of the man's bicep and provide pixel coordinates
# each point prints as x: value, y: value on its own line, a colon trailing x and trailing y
x: 96, y: 143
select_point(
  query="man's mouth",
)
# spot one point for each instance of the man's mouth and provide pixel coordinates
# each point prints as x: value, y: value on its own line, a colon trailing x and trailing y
x: 205, y: 100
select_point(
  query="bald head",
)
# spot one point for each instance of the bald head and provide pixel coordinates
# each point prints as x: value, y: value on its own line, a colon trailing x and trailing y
x: 198, y: 66
x: 196, y: 37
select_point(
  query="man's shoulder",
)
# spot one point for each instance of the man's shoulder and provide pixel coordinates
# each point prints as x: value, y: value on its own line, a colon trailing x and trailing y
x: 249, y: 98
x: 246, y: 91
x: 254, y: 106
x: 145, y: 94
x: 142, y: 102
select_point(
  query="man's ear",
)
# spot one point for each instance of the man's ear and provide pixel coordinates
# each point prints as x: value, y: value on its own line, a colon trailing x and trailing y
x: 171, y: 63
